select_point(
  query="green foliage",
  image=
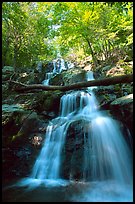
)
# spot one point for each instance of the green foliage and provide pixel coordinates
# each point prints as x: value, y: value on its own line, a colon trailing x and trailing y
x: 33, y: 31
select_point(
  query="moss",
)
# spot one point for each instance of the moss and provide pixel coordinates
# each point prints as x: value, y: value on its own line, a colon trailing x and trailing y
x: 128, y: 69
x: 117, y: 87
x: 14, y: 137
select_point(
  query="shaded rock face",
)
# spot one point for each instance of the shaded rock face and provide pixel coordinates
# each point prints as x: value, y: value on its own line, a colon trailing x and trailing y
x: 16, y: 162
x: 47, y: 104
x: 122, y: 109
x: 7, y: 72
x: 17, y: 122
x: 73, y: 151
x: 23, y: 136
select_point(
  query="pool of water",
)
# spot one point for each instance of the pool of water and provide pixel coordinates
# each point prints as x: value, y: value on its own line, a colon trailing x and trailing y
x: 69, y: 192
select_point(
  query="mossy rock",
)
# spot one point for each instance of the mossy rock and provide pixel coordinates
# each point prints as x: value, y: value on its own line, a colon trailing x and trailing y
x: 12, y: 119
x: 69, y: 77
x: 122, y: 110
x: 7, y: 69
x: 12, y: 108
x: 123, y: 100
x: 47, y: 101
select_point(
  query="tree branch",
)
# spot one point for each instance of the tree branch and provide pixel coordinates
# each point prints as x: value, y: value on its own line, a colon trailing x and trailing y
x: 98, y: 82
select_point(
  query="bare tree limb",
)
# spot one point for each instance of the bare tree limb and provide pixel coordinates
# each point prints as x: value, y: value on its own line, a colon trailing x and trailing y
x: 98, y: 82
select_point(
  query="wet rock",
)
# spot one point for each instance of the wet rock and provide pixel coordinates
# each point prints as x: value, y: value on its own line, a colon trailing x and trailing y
x: 21, y: 143
x: 73, y: 151
x: 18, y: 161
x: 49, y: 115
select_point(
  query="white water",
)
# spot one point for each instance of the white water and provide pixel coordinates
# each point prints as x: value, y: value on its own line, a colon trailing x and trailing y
x: 39, y: 66
x: 107, y: 157
x: 49, y: 75
x: 70, y: 65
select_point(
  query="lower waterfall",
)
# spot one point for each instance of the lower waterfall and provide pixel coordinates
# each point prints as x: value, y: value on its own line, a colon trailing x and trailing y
x: 104, y: 160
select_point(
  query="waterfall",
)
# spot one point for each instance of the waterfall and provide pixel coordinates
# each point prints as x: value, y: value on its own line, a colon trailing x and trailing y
x: 70, y: 65
x: 58, y: 67
x: 62, y: 65
x: 49, y: 75
x: 54, y: 67
x: 39, y: 66
x: 48, y: 163
x: 105, y: 155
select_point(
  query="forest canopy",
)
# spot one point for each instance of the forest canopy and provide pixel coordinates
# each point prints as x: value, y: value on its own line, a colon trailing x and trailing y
x: 35, y: 31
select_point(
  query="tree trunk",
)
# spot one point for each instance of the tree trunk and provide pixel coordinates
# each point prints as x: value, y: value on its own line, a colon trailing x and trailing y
x: 99, y: 82
x: 5, y: 51
x: 92, y: 53
x: 15, y: 57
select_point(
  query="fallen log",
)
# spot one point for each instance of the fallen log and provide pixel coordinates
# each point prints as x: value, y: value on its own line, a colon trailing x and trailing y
x: 98, y: 82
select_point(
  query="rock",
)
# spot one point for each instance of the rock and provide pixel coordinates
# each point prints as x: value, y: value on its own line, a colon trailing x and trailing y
x: 23, y: 134
x: 57, y: 80
x: 18, y: 123
x: 11, y: 121
x: 7, y: 72
x: 30, y: 125
x: 49, y: 115
x: 105, y: 95
x: 12, y: 108
x: 68, y: 77
x: 122, y: 109
x: 123, y: 100
x: 115, y: 71
x: 73, y: 151
x: 87, y: 68
x: 106, y: 68
x: 18, y: 161
x: 7, y: 69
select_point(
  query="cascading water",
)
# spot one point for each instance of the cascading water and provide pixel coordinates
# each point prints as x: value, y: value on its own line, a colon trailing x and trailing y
x: 49, y: 75
x: 58, y: 67
x: 39, y: 66
x: 106, y: 159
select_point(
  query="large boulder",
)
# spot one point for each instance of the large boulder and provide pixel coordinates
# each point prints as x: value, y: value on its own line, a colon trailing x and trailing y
x: 122, y: 109
x: 72, y: 165
x: 69, y: 76
x: 23, y: 135
x: 19, y: 123
x: 47, y: 104
x: 8, y: 69
x: 7, y: 72
x: 107, y: 94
